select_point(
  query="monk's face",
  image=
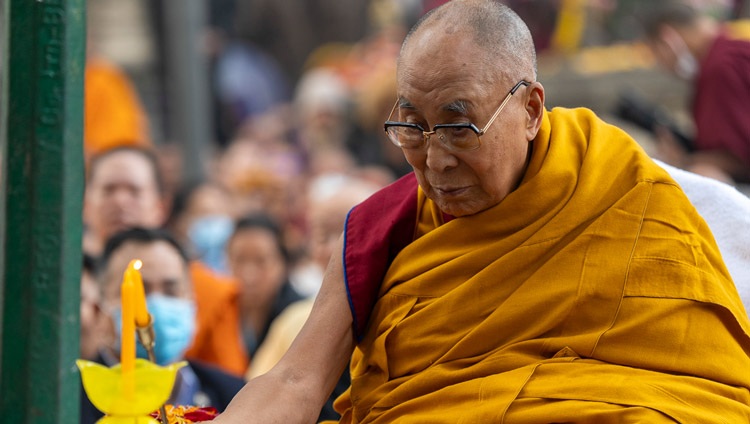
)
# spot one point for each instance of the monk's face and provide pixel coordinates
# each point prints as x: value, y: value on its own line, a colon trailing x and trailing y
x: 436, y: 72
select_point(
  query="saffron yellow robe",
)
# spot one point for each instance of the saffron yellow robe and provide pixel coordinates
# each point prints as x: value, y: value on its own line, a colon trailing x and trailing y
x: 593, y: 293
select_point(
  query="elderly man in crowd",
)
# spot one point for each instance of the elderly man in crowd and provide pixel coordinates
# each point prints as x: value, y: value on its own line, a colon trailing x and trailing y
x: 125, y: 189
x: 536, y: 267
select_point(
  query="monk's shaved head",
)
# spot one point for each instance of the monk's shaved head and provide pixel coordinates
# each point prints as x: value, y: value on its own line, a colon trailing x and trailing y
x: 494, y: 27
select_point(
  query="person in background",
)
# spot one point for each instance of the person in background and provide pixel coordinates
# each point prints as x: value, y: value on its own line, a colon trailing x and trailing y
x: 322, y: 108
x: 537, y: 266
x: 124, y: 189
x: 92, y: 334
x: 263, y: 169
x: 259, y: 260
x: 171, y: 303
x: 331, y: 197
x: 203, y: 219
x: 698, y: 49
x: 246, y: 83
x: 219, y: 337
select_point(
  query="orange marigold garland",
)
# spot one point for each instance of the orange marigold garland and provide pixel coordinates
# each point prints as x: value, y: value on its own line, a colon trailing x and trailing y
x: 186, y: 414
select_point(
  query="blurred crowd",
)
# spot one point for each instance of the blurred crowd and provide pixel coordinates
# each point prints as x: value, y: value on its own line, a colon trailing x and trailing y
x: 300, y: 91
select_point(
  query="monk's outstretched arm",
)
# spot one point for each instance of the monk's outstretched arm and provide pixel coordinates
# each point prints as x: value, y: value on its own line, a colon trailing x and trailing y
x: 295, y: 389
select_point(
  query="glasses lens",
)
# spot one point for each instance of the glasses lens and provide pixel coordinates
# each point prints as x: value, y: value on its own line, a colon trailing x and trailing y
x: 458, y: 138
x: 406, y: 137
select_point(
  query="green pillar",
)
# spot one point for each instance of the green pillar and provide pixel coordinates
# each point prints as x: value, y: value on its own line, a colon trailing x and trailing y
x: 41, y: 123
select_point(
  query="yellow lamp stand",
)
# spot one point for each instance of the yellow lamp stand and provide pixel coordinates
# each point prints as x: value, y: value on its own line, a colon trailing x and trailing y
x: 128, y: 398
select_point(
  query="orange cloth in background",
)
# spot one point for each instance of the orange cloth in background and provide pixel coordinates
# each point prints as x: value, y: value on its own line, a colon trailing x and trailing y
x: 113, y: 114
x: 218, y: 339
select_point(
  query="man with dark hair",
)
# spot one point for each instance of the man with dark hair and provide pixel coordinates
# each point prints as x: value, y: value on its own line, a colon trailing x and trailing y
x: 699, y: 50
x: 536, y: 267
x: 125, y: 189
x: 171, y: 303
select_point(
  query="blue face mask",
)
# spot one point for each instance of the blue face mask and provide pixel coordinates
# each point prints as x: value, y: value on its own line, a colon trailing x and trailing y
x: 174, y: 327
x: 209, y: 235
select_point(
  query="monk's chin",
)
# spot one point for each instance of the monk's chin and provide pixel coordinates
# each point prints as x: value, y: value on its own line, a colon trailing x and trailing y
x: 457, y: 209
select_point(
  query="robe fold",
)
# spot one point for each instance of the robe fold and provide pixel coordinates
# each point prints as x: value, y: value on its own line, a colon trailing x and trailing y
x: 592, y: 293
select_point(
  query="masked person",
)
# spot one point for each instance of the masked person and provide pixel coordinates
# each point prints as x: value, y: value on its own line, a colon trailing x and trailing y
x: 536, y: 267
x: 716, y: 61
x: 202, y: 220
x: 125, y: 189
x: 171, y: 303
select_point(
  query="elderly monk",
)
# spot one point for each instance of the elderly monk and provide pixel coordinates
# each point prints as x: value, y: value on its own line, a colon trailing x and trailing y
x: 536, y: 267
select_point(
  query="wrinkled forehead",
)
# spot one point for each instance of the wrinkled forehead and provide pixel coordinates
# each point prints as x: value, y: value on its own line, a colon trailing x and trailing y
x: 432, y: 40
x: 123, y: 166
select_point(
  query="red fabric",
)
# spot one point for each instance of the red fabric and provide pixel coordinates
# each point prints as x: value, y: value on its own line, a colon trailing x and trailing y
x: 376, y: 230
x: 722, y: 99
x: 186, y: 414
x: 201, y: 414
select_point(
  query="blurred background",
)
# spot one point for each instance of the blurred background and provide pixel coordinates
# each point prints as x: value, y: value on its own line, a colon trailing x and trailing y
x: 209, y: 75
x: 196, y: 79
x: 265, y: 98
x: 265, y: 105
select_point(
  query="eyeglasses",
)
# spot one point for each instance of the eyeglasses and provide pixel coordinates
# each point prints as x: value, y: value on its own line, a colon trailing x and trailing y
x: 459, y: 137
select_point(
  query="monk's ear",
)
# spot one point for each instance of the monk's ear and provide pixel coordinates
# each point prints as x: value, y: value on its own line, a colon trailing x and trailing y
x: 534, y: 109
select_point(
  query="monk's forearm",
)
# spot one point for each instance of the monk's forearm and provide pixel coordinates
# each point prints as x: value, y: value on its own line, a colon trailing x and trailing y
x: 276, y: 397
x: 295, y: 390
